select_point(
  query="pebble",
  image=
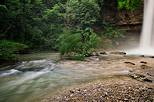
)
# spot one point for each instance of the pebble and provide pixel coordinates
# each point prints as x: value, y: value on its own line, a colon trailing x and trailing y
x: 120, y: 90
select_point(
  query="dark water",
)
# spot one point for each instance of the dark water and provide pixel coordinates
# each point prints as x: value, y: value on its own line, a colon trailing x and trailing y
x: 30, y: 81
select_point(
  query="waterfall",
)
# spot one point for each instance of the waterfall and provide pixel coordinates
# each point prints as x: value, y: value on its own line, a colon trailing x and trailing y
x: 146, y: 46
x: 148, y: 25
x: 147, y: 35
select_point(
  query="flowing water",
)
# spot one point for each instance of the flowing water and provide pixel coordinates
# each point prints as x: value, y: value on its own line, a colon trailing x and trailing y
x: 148, y: 25
x: 30, y: 81
x: 44, y: 74
x: 147, y: 36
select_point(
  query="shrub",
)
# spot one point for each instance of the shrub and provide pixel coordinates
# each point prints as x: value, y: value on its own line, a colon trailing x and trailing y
x: 7, y: 48
x: 79, y: 57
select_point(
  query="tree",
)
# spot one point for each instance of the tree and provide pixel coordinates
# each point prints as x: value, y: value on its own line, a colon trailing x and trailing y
x: 78, y: 36
x: 129, y: 4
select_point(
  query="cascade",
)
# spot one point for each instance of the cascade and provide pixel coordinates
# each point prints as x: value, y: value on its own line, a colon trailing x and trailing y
x: 146, y: 46
x: 147, y: 35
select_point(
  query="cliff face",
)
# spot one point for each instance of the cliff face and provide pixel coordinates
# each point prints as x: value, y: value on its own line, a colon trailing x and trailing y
x: 125, y: 19
x: 130, y: 21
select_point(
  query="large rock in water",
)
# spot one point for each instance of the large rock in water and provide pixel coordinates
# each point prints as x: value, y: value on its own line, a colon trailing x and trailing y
x: 103, y: 53
x: 117, y: 52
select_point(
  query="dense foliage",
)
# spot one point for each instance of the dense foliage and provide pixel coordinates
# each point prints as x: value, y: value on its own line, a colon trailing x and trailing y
x: 128, y: 4
x: 64, y: 25
x: 8, y: 48
x: 79, y: 18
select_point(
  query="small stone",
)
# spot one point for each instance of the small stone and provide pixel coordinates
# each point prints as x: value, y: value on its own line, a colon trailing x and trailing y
x: 125, y: 99
x: 84, y: 90
x: 71, y: 91
x: 144, y: 66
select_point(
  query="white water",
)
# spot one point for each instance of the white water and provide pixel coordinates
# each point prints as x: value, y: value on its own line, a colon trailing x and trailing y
x: 147, y: 36
x: 9, y: 72
x: 30, y: 81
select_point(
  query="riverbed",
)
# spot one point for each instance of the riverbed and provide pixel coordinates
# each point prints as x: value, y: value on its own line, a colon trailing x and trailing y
x: 39, y: 76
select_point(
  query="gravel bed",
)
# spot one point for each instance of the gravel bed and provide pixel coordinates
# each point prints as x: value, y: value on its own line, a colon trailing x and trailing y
x: 115, y: 89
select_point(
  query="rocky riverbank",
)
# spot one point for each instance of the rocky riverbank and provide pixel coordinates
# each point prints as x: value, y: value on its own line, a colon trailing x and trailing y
x: 137, y: 86
x: 122, y: 89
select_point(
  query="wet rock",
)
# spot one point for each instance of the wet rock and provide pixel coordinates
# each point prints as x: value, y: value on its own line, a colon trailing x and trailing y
x: 143, y: 62
x: 148, y: 74
x: 144, y: 66
x: 117, y: 52
x: 88, y: 55
x: 151, y: 56
x: 141, y: 77
x: 71, y: 91
x: 130, y: 63
x: 103, y: 53
x: 135, y: 75
x: 96, y: 54
x: 141, y: 56
x: 147, y: 79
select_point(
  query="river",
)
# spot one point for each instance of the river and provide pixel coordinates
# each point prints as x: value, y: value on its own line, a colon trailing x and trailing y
x: 43, y: 74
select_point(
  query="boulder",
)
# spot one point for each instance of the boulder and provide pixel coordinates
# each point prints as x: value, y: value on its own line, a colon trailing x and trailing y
x: 103, y: 53
x: 130, y: 63
x: 151, y: 56
x: 117, y: 52
x: 143, y: 62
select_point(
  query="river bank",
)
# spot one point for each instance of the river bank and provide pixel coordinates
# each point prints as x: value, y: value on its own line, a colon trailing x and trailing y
x: 43, y: 76
x: 122, y: 89
x: 120, y: 86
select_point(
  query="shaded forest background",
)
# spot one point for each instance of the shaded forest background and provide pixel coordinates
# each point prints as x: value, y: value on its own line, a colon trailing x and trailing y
x: 67, y: 26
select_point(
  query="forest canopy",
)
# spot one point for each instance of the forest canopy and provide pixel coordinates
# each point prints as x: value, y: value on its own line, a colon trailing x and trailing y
x: 57, y: 25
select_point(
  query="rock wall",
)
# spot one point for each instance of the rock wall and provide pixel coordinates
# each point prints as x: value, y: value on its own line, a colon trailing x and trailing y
x: 125, y: 19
